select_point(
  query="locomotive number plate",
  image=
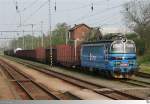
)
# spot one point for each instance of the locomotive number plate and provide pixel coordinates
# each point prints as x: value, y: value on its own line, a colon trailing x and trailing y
x: 124, y: 65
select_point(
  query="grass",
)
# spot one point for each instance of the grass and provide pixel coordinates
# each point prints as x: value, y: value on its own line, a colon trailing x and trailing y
x: 145, y: 68
x: 144, y: 63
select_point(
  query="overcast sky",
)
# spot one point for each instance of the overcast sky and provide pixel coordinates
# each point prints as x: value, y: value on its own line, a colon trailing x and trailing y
x: 106, y: 13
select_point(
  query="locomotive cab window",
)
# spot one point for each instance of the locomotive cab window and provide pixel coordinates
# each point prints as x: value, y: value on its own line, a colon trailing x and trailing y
x: 130, y: 47
x: 123, y: 47
x: 117, y: 47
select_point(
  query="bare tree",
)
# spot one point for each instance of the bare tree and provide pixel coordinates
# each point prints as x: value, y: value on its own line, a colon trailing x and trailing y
x: 94, y: 35
x: 137, y: 16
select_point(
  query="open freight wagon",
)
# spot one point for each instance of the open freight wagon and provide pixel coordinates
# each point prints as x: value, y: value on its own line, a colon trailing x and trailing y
x: 37, y: 54
x: 68, y: 55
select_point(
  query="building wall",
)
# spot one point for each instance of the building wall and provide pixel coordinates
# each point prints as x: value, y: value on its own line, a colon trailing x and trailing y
x: 79, y: 33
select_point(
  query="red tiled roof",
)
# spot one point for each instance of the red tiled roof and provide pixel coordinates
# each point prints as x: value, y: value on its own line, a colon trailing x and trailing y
x: 79, y: 25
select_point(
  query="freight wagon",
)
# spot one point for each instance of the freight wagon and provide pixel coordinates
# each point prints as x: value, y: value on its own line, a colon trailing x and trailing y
x: 39, y: 54
x: 26, y: 54
x: 68, y: 55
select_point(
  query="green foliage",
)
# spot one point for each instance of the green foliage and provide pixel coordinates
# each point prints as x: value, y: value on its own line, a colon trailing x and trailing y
x: 132, y: 36
x: 144, y: 59
x: 94, y: 35
x: 140, y: 45
x: 145, y: 67
x: 143, y: 55
x: 71, y: 42
x: 60, y: 34
x: 27, y: 42
x: 58, y: 37
x: 108, y: 36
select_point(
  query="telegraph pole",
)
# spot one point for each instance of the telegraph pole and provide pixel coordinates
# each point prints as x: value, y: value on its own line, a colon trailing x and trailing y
x: 51, y: 58
x: 32, y: 35
x: 42, y: 44
x: 17, y: 41
x: 23, y: 41
x: 19, y: 13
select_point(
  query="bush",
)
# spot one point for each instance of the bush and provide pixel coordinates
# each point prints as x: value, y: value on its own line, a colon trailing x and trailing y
x: 144, y: 59
x: 140, y: 46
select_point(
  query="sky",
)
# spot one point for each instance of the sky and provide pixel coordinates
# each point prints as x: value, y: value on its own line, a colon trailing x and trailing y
x: 107, y: 14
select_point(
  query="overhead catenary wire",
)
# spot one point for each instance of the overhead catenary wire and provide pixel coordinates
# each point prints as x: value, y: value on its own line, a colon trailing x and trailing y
x: 30, y: 5
x: 97, y: 13
x: 105, y: 19
x: 80, y: 7
x: 57, y: 11
x: 33, y: 13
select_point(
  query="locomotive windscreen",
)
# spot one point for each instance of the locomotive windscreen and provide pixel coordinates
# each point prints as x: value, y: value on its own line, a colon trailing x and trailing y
x: 130, y: 47
x: 123, y: 47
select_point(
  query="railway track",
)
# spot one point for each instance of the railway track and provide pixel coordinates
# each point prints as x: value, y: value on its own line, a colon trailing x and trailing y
x: 136, y: 82
x: 33, y: 90
x: 141, y: 74
x: 100, y: 89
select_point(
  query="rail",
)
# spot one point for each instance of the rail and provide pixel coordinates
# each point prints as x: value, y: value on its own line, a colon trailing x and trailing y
x: 100, y: 89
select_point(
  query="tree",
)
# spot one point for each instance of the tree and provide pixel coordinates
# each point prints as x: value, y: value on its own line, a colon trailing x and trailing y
x: 94, y: 35
x: 58, y: 37
x: 59, y: 33
x: 137, y: 17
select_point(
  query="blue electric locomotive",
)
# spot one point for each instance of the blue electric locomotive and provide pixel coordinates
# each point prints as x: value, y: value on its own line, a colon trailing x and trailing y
x: 117, y: 58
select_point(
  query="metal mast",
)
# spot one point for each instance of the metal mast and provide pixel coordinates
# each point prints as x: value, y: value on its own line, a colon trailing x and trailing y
x: 32, y: 35
x: 19, y: 12
x: 51, y: 58
x: 42, y: 42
